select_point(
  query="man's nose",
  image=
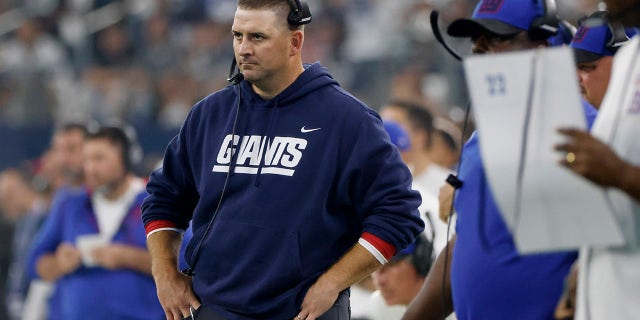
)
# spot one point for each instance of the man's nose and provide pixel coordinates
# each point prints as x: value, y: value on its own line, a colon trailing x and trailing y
x: 244, y: 48
x: 581, y: 76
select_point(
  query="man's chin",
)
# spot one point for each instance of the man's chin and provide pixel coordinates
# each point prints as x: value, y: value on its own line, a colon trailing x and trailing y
x: 251, y: 76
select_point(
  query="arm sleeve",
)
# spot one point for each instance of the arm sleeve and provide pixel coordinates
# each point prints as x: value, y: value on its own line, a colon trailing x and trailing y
x: 380, y: 249
x: 379, y: 188
x: 172, y: 194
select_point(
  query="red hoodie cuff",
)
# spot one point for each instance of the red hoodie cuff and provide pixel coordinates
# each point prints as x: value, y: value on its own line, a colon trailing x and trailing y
x: 157, y: 225
x: 382, y: 250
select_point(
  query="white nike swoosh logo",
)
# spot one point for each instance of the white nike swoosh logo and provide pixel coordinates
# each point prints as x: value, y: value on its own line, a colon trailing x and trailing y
x: 304, y: 130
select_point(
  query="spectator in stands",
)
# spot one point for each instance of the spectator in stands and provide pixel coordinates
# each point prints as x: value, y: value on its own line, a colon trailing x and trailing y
x: 26, y: 209
x: 67, y: 146
x: 32, y: 61
x: 445, y: 150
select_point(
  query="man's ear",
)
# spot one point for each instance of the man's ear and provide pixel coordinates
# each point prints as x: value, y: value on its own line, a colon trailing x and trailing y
x: 297, y: 38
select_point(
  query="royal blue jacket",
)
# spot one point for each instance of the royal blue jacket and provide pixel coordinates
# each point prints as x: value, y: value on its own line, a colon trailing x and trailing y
x: 314, y: 169
x: 489, y: 278
x: 95, y: 292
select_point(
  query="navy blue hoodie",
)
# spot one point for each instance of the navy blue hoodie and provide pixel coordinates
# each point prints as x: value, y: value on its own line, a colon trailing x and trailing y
x: 314, y: 169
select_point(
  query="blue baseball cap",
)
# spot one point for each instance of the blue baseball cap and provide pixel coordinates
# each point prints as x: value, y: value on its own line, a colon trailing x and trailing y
x: 595, y: 39
x: 502, y: 17
x: 399, y: 136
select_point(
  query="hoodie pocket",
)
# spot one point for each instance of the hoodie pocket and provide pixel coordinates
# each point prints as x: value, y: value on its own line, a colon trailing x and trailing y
x: 249, y: 268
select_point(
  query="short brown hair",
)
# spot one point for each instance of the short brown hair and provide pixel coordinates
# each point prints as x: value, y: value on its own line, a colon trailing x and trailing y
x: 282, y: 7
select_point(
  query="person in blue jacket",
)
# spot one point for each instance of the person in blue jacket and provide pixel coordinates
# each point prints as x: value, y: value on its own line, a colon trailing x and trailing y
x: 483, y: 275
x: 292, y: 185
x: 92, y: 244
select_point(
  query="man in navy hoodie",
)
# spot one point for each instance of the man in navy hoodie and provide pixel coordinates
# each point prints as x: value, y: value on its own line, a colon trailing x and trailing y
x: 293, y: 187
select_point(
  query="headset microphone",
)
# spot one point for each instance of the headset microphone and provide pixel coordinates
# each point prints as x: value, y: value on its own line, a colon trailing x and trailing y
x: 433, y: 20
x: 235, y: 76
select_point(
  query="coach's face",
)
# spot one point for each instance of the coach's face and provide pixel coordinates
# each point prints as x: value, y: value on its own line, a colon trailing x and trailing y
x: 262, y: 45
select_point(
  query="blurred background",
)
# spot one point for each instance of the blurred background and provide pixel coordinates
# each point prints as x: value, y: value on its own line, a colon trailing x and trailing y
x: 147, y: 61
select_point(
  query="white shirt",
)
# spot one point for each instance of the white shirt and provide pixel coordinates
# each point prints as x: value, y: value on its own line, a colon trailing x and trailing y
x: 110, y: 213
x: 433, y: 178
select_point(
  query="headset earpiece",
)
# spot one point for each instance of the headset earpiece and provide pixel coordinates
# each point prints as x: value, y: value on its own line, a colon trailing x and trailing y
x: 546, y: 25
x: 422, y: 257
x: 126, y: 135
x: 299, y: 14
x: 618, y: 36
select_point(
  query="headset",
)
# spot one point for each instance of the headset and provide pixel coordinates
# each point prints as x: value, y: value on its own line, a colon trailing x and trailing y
x: 125, y: 136
x: 546, y: 25
x: 300, y: 13
x: 420, y: 254
x: 618, y: 34
x: 422, y: 257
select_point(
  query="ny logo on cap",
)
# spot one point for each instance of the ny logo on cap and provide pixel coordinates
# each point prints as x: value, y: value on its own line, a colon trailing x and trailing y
x: 580, y: 34
x: 489, y: 6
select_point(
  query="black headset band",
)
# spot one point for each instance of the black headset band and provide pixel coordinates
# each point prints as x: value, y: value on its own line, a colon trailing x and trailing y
x: 299, y: 14
x: 547, y: 24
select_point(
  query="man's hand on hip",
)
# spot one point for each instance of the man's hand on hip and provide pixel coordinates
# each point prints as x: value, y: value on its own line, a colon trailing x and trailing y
x: 175, y: 294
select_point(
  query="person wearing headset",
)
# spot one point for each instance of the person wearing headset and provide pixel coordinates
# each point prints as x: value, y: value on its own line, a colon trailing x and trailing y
x: 92, y: 244
x: 293, y: 187
x: 609, y: 277
x: 594, y: 46
x: 481, y: 273
x: 400, y: 280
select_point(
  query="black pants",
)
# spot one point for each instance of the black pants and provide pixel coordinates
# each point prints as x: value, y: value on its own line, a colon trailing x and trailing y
x: 340, y: 310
